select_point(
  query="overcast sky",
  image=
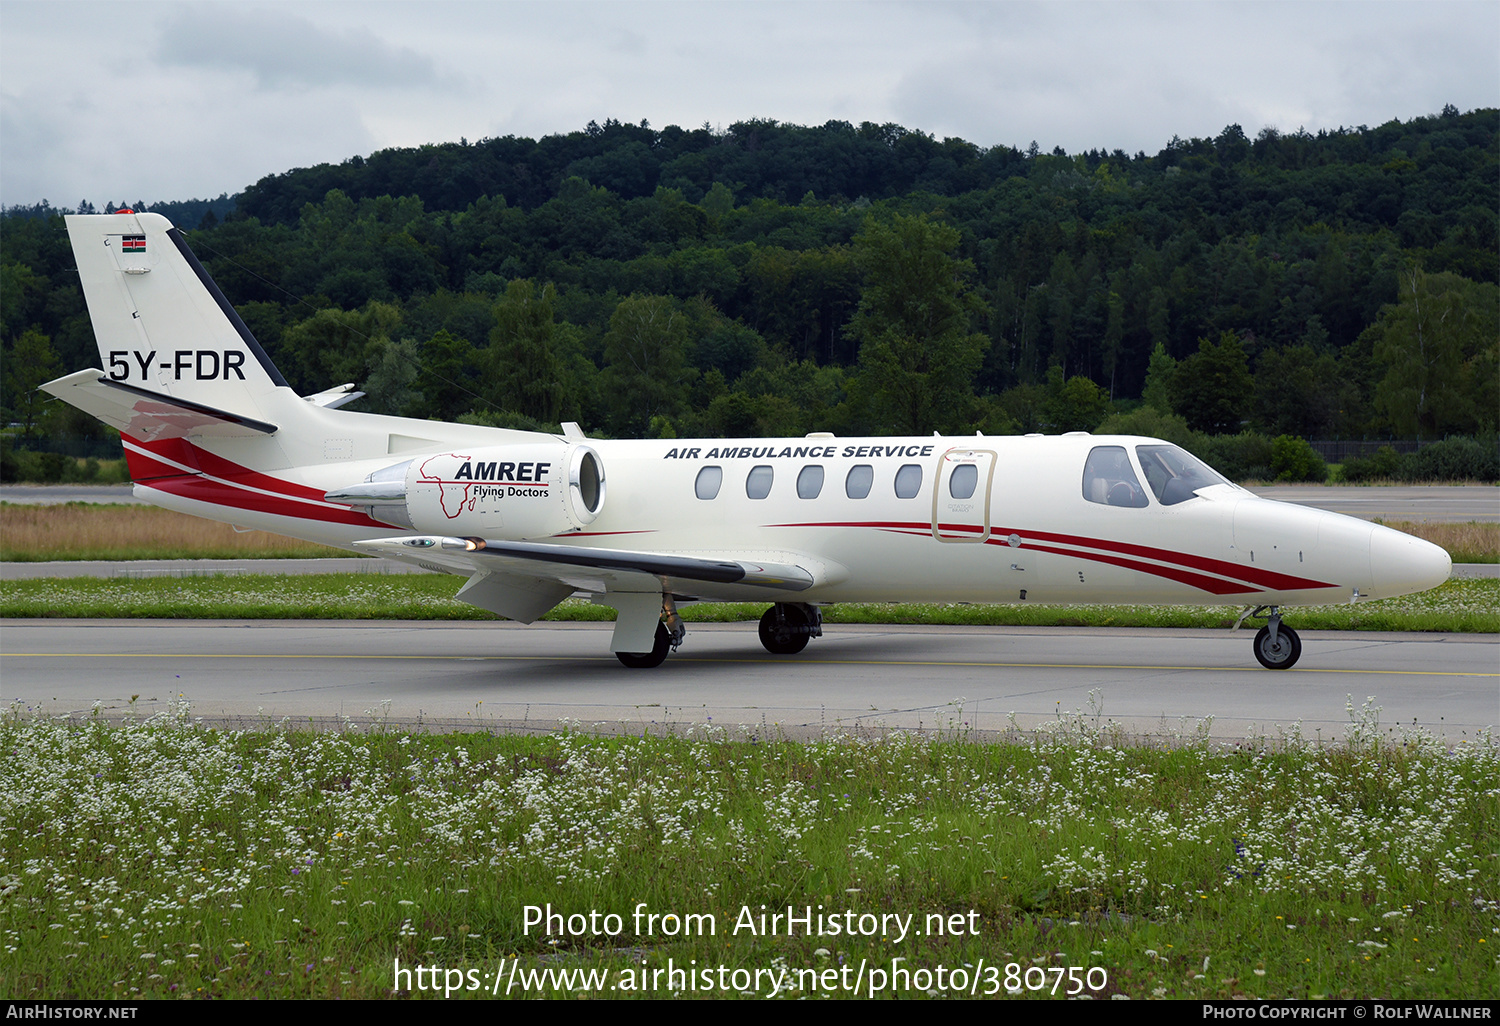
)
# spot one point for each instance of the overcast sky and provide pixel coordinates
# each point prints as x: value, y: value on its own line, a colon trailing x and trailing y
x: 163, y: 101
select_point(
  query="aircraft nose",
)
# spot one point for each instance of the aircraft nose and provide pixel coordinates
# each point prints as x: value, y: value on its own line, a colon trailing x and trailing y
x: 1402, y: 564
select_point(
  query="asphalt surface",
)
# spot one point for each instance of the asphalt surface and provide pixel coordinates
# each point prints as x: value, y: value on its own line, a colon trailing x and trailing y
x: 1154, y: 682
x: 1430, y: 503
x: 52, y: 495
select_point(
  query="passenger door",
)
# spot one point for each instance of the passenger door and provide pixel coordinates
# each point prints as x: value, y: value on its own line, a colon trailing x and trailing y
x: 961, y: 495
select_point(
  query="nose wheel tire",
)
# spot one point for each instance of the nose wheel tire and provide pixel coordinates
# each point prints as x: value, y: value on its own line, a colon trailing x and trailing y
x: 655, y: 657
x: 1281, y: 654
x: 785, y: 634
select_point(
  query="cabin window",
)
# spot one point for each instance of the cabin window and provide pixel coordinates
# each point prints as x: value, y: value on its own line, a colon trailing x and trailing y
x: 857, y: 484
x: 1174, y: 475
x: 758, y: 484
x: 709, y: 480
x: 1109, y: 479
x: 961, y: 484
x: 810, y: 481
x: 908, y: 481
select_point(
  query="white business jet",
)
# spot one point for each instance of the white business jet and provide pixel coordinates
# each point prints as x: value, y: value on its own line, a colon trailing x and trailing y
x: 211, y: 428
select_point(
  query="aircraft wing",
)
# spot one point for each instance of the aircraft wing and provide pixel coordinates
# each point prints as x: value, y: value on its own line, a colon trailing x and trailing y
x: 522, y: 580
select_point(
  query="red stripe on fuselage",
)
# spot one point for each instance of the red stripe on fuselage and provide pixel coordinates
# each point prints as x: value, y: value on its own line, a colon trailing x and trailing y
x: 288, y: 499
x: 145, y: 469
x: 1212, y: 585
x: 202, y: 489
x: 1266, y: 579
x: 185, y: 452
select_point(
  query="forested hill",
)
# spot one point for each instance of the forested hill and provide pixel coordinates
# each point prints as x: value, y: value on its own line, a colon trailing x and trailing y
x: 773, y: 279
x: 840, y: 162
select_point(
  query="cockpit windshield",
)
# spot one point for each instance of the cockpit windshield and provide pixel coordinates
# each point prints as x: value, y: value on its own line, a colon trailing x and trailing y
x: 1174, y: 474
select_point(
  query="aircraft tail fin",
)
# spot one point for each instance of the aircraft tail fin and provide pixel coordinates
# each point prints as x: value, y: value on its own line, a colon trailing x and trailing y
x: 161, y: 323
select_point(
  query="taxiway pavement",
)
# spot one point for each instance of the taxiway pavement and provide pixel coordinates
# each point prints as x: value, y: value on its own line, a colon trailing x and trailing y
x: 870, y: 678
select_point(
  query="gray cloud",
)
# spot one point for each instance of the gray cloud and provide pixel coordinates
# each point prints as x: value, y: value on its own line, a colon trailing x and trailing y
x: 286, y: 52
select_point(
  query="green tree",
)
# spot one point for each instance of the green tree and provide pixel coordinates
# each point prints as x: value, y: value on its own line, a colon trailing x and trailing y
x: 917, y: 355
x: 1076, y: 404
x: 1213, y: 389
x: 448, y: 379
x: 1299, y: 391
x: 334, y: 346
x: 393, y: 369
x: 1159, y: 373
x: 526, y: 373
x: 1436, y: 346
x: 718, y: 203
x: 31, y: 362
x: 645, y: 362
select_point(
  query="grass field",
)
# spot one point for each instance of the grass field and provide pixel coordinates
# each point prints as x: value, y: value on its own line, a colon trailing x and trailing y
x: 1472, y: 542
x: 78, y: 530
x: 1459, y: 605
x: 158, y: 859
x: 88, y: 531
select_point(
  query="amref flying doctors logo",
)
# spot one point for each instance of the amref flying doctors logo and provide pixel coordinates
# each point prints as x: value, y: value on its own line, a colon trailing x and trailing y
x: 463, y: 483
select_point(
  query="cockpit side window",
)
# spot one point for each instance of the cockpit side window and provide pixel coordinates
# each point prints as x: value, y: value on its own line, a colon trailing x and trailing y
x: 1174, y: 474
x: 1109, y: 479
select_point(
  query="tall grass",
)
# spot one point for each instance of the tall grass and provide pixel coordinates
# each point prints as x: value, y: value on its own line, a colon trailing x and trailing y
x: 79, y: 530
x: 1473, y: 542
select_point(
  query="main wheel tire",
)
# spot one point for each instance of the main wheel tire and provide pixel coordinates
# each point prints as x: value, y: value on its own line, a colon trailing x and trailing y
x: 774, y: 633
x: 1284, y: 654
x: 655, y: 657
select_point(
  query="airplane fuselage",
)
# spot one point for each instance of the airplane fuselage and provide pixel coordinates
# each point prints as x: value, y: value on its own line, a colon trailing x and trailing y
x: 1026, y: 533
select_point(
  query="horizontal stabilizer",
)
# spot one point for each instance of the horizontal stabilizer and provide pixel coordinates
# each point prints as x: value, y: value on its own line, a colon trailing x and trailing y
x: 142, y: 413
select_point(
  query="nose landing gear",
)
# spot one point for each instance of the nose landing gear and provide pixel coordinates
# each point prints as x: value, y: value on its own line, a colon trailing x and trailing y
x: 1277, y: 646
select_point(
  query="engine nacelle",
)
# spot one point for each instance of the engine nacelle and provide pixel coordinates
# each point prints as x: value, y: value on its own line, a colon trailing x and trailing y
x: 514, y: 492
x: 509, y: 491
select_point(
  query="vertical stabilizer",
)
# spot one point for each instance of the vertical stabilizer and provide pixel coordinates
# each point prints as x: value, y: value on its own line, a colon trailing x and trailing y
x: 161, y: 323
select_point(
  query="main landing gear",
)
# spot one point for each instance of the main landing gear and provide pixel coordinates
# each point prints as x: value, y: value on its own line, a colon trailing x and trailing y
x: 669, y: 634
x: 787, y: 627
x: 653, y: 658
x: 1277, y: 646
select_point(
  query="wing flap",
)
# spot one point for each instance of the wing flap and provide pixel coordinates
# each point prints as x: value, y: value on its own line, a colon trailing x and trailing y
x: 514, y: 596
x: 715, y: 575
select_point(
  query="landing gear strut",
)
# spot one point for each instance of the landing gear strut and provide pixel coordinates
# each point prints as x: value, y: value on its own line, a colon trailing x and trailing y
x: 1277, y: 646
x: 786, y: 627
